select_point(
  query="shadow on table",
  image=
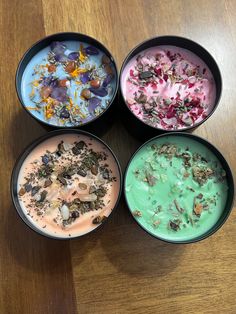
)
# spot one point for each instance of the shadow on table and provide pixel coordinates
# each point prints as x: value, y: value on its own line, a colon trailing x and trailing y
x: 22, y: 131
x: 35, y: 252
x: 131, y: 250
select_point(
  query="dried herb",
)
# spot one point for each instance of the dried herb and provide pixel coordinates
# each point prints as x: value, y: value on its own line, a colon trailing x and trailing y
x: 137, y: 213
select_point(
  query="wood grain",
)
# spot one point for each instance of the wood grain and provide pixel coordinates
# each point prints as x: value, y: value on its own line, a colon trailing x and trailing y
x: 119, y: 269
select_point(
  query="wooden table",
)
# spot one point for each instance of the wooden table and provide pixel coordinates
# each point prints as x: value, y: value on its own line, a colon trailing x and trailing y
x: 118, y: 269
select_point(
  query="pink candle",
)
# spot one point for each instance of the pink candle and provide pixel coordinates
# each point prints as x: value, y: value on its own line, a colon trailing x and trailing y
x: 68, y: 185
x: 168, y: 87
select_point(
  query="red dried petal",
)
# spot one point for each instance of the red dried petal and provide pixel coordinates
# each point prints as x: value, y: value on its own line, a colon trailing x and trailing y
x: 165, y: 77
x: 171, y: 112
x: 158, y: 71
x: 154, y: 85
x: 200, y: 111
x: 161, y: 81
x: 131, y: 72
x: 190, y: 85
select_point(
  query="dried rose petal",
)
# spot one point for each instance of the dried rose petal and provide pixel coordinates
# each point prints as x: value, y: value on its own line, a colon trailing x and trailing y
x: 165, y: 77
x: 171, y: 112
x: 158, y: 71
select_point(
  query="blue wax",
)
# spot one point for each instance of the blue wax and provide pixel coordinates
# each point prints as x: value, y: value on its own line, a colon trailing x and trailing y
x: 37, y: 69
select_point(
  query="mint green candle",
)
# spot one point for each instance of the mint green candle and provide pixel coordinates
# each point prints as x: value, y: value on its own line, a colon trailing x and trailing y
x: 176, y: 188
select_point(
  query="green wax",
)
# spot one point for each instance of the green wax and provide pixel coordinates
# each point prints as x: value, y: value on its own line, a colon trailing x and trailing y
x: 176, y: 188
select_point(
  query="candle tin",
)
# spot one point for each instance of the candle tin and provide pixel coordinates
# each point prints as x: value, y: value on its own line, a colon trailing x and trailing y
x: 97, y: 121
x: 26, y: 152
x: 137, y: 214
x: 134, y: 124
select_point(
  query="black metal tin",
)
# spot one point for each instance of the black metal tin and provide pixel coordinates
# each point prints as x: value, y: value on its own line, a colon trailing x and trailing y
x: 23, y: 156
x: 229, y: 177
x: 99, y: 124
x: 137, y: 127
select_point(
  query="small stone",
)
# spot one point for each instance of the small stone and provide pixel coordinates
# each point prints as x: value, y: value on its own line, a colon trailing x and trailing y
x: 52, y: 68
x: 62, y: 83
x: 37, y: 198
x: 106, y: 59
x: 45, y: 92
x: 45, y: 159
x: 83, y: 186
x: 108, y: 69
x: 145, y: 75
x: 85, y: 93
x: 95, y: 83
x: 65, y: 213
x: 88, y: 198
x: 70, y: 67
x: 98, y: 220
x: 94, y: 170
x: 22, y: 192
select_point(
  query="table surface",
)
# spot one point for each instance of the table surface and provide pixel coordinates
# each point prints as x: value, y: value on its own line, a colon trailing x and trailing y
x: 119, y: 268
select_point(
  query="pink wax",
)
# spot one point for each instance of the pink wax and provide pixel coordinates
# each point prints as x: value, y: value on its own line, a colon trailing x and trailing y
x: 168, y: 87
x: 68, y: 185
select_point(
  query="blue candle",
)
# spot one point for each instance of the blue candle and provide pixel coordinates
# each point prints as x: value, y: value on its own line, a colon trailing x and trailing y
x: 68, y: 83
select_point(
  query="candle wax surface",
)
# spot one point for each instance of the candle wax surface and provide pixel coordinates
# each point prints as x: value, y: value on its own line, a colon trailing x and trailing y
x: 68, y: 185
x: 176, y: 188
x: 68, y: 83
x: 168, y: 87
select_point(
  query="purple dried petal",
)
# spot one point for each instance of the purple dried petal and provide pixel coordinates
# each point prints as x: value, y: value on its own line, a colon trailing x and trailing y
x: 58, y: 47
x: 50, y: 81
x: 60, y: 94
x: 107, y: 80
x: 102, y: 92
x: 90, y: 50
x: 73, y: 56
x: 85, y: 77
x: 60, y: 58
x: 94, y: 102
x: 87, y: 119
